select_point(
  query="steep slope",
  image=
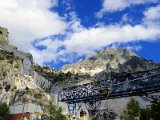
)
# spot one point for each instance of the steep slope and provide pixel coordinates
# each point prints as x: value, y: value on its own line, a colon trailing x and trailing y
x: 18, y: 78
x: 16, y: 83
x: 110, y: 60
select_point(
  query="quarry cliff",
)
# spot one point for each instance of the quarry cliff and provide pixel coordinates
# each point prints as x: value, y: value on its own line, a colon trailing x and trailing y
x: 18, y: 78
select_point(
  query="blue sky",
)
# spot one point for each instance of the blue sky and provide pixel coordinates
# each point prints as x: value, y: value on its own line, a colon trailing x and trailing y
x: 59, y: 32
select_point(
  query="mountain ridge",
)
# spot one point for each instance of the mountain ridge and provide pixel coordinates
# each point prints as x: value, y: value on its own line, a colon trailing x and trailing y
x: 110, y: 60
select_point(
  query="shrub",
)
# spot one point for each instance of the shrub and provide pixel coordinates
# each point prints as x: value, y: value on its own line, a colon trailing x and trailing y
x: 145, y: 114
x: 38, y: 95
x: 155, y: 111
x: 14, y: 88
x: 56, y: 113
x: 4, y: 111
x: 151, y: 113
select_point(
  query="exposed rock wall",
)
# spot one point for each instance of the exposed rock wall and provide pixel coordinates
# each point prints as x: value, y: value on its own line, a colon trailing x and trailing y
x: 42, y: 82
x: 17, y: 84
x: 110, y: 60
x: 26, y: 58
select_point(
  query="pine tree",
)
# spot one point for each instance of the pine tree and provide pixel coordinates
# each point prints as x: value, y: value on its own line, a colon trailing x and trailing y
x: 56, y: 113
x: 133, y: 110
x: 155, y: 111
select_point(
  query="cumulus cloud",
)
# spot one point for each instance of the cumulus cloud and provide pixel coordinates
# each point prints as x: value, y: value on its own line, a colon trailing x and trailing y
x: 28, y: 20
x: 118, y: 5
x: 86, y: 42
x: 32, y: 19
x: 152, y: 14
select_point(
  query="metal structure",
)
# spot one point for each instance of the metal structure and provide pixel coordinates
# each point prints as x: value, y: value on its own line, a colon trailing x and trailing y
x: 125, y: 85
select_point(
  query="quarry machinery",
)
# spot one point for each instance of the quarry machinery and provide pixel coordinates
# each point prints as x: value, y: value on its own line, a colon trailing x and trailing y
x: 125, y: 85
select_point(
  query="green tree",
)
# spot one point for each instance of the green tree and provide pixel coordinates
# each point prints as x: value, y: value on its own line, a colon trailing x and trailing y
x: 4, y: 111
x: 56, y: 113
x: 133, y: 110
x: 145, y: 114
x: 155, y: 111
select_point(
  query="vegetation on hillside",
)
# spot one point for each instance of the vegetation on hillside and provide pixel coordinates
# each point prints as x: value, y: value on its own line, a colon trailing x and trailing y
x: 55, y: 75
x: 4, y: 111
x: 133, y: 110
x: 136, y: 113
x: 56, y: 113
x: 45, y: 71
x: 151, y: 113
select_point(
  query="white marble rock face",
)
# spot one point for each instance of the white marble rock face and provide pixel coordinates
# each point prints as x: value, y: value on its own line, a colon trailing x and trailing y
x: 17, y: 72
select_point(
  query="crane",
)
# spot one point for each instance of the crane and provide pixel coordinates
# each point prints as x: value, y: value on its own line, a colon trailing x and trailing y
x: 91, y: 94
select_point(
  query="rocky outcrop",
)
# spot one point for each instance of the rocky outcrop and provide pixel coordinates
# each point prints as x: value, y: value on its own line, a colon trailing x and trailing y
x: 42, y: 82
x: 26, y: 58
x: 18, y: 78
x: 27, y: 66
x: 4, y: 36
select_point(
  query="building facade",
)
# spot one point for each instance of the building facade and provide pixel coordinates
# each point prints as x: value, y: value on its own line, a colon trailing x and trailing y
x: 30, y: 110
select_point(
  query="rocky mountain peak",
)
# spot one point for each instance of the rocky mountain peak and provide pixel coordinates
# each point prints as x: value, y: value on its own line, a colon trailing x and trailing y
x: 110, y: 60
x: 112, y: 53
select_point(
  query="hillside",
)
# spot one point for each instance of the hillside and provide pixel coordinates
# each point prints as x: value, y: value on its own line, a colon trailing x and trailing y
x: 19, y: 80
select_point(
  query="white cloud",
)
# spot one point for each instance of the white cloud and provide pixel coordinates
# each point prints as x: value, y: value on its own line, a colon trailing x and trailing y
x: 152, y: 14
x: 74, y: 24
x: 28, y: 20
x: 96, y: 38
x: 32, y: 19
x: 118, y: 5
x: 84, y: 43
x: 131, y: 47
